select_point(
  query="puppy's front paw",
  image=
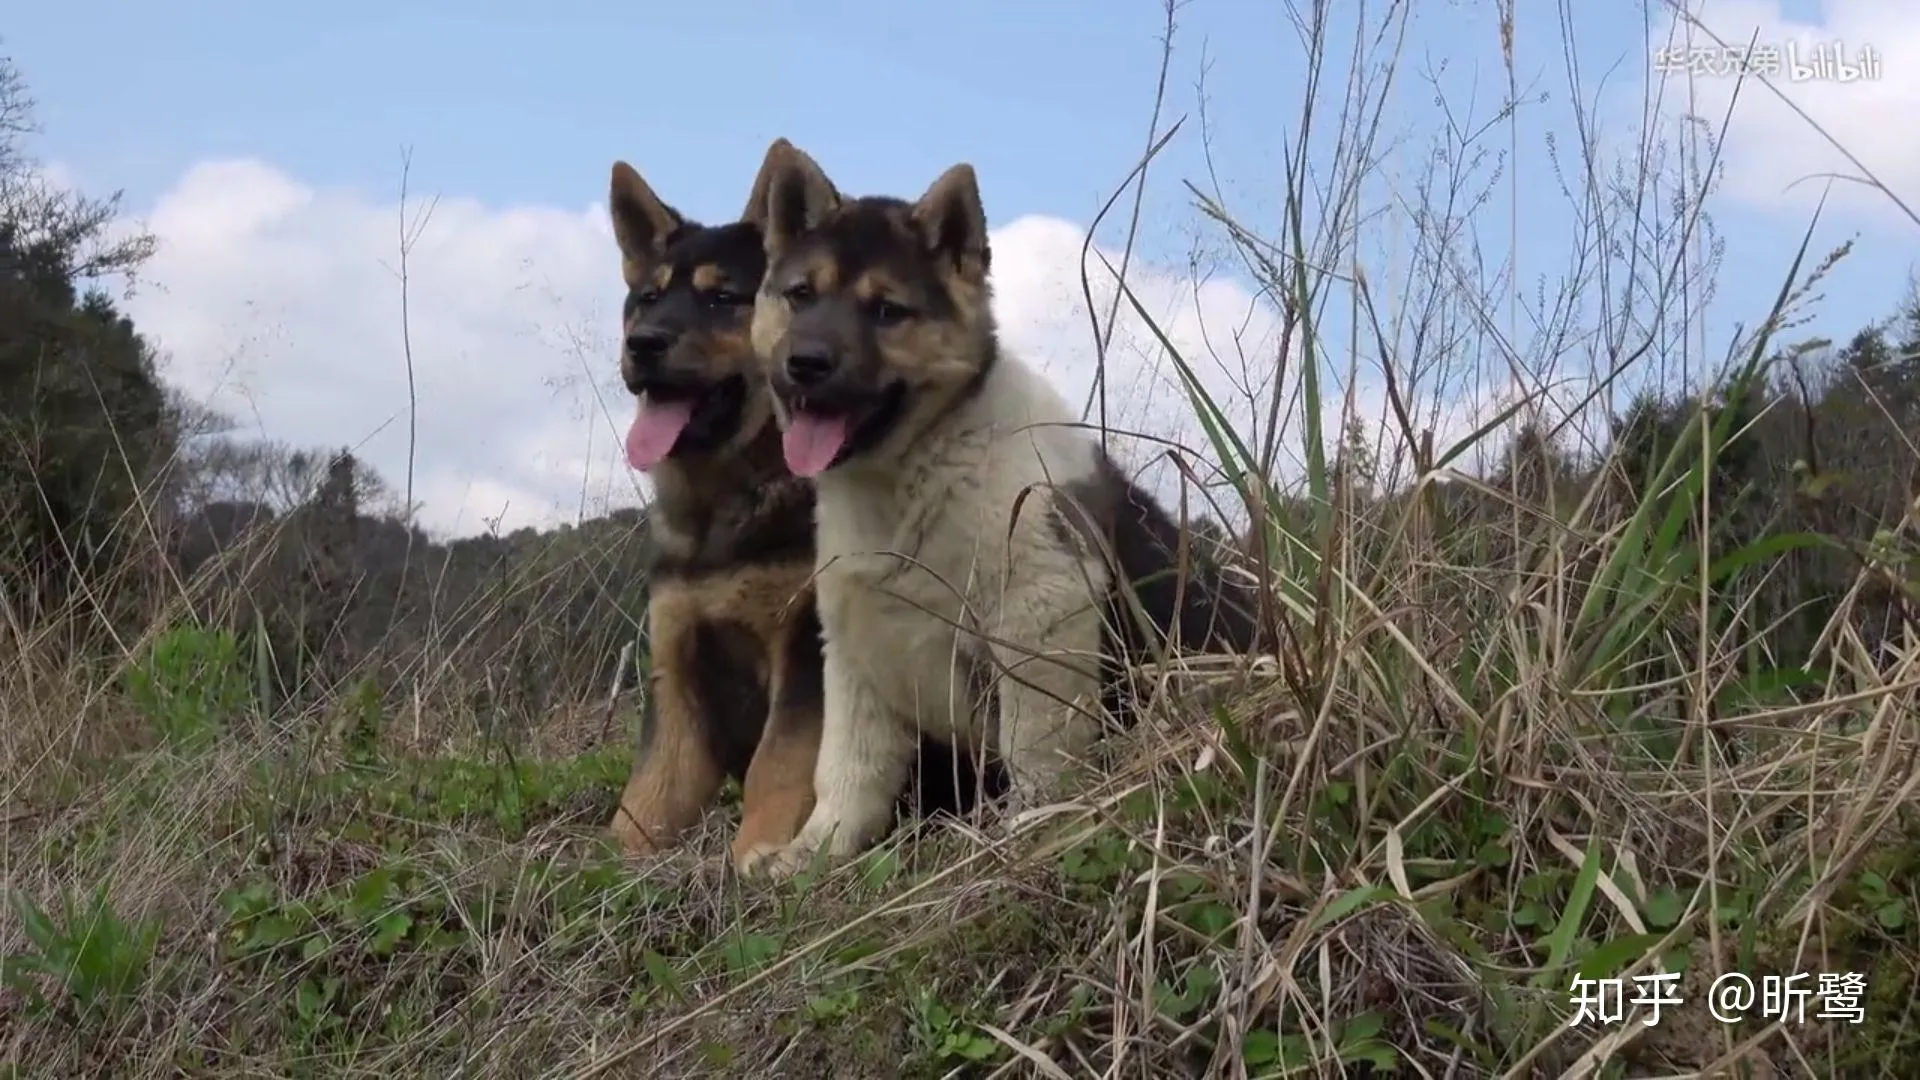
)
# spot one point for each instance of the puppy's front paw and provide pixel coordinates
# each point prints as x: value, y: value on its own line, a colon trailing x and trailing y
x: 1020, y: 809
x: 635, y: 842
x: 753, y: 862
x: 1004, y: 823
x: 790, y: 860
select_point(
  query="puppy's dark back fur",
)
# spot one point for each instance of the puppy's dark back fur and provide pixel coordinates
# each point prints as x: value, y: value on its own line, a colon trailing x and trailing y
x: 1196, y: 605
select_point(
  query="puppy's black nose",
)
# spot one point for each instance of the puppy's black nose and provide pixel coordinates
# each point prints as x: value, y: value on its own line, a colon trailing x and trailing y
x: 647, y: 346
x: 809, y: 368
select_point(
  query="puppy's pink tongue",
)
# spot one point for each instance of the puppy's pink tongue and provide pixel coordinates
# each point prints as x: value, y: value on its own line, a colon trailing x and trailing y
x: 812, y: 442
x: 656, y: 427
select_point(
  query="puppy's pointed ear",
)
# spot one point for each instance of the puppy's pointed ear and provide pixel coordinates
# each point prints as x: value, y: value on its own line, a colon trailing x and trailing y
x: 641, y: 221
x: 953, y: 220
x: 798, y: 195
x: 758, y: 199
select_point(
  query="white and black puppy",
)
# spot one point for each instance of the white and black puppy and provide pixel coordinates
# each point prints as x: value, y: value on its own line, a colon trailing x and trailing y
x: 968, y: 528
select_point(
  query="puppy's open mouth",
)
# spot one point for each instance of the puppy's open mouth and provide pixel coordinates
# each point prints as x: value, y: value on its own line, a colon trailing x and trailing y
x: 825, y: 432
x: 683, y: 417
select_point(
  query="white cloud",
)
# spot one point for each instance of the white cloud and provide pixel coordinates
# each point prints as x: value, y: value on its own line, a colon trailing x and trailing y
x: 1228, y: 339
x: 1768, y: 147
x: 280, y: 304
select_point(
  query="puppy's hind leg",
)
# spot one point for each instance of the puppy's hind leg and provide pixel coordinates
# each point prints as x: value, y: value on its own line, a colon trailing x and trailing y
x: 1049, y: 648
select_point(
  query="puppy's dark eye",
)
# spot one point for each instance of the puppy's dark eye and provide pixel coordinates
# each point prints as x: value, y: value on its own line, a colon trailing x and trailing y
x: 728, y: 298
x: 886, y: 312
x: 800, y: 292
x: 647, y: 296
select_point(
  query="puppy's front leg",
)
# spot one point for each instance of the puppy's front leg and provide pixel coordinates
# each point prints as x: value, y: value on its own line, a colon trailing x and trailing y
x: 676, y: 774
x: 865, y: 755
x: 1048, y: 645
x: 778, y: 794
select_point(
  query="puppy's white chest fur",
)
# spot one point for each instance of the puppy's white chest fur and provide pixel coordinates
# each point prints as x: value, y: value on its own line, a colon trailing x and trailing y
x: 914, y: 555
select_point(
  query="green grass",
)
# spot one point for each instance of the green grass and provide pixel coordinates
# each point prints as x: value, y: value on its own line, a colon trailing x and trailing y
x: 228, y: 904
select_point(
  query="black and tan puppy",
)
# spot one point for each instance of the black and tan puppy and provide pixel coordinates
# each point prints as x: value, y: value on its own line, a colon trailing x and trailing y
x: 735, y: 634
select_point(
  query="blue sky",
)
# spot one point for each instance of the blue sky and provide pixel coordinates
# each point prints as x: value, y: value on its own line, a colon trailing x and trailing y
x: 1048, y: 100
x: 513, y: 107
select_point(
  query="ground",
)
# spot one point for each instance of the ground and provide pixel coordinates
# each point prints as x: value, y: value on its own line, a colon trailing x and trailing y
x: 242, y: 898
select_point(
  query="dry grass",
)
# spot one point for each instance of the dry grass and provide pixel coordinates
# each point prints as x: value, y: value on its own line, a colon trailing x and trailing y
x: 1404, y: 881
